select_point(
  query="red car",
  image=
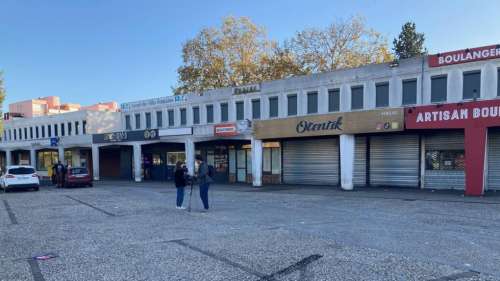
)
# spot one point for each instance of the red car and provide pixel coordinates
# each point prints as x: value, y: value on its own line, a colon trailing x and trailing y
x: 78, y: 177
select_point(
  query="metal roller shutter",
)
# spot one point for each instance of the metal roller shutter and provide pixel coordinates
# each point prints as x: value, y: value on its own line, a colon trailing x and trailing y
x: 444, y: 179
x: 394, y: 160
x: 493, y: 161
x: 313, y: 162
x: 360, y: 161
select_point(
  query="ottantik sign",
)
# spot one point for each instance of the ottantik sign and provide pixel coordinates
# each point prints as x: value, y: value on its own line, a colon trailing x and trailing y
x: 464, y: 56
x: 370, y: 121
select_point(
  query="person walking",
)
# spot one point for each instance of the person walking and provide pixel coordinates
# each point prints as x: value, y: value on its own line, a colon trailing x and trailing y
x: 204, y: 180
x: 180, y: 177
x: 60, y: 173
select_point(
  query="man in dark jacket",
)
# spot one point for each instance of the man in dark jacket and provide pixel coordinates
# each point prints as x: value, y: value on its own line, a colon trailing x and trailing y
x: 60, y: 173
x: 204, y: 180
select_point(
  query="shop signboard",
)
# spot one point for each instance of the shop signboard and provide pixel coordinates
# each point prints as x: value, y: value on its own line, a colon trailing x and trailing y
x: 162, y: 101
x: 464, y: 56
x: 225, y: 130
x: 125, y: 136
x: 246, y: 89
x: 175, y: 132
x: 370, y: 121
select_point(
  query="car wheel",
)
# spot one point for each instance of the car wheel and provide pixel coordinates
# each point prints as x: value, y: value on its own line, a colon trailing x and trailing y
x: 37, y: 188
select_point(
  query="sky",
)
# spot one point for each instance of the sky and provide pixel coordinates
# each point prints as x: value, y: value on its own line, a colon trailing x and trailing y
x: 89, y: 51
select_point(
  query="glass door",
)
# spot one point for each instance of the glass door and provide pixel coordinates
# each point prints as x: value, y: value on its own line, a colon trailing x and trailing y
x: 241, y: 165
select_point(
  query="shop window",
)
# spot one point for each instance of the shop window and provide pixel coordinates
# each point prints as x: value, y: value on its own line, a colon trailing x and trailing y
x: 196, y: 115
x: 46, y: 159
x: 256, y: 109
x: 472, y: 85
x: 49, y: 131
x: 137, y: 121
x: 84, y: 127
x: 159, y: 119
x: 173, y: 157
x: 439, y: 90
x: 156, y: 160
x: 333, y: 100
x: 128, y: 125
x: 69, y: 129
x: 171, y: 118
x: 273, y: 107
x: 232, y: 160
x: 409, y: 91
x: 77, y: 128
x: 56, y: 131
x: 292, y: 105
x: 271, y: 158
x: 183, y: 117
x: 240, y: 110
x: 68, y: 158
x: 148, y: 120
x: 224, y: 112
x: 31, y: 132
x: 445, y: 160
x: 357, y: 97
x: 210, y: 113
x: 382, y: 94
x: 312, y: 102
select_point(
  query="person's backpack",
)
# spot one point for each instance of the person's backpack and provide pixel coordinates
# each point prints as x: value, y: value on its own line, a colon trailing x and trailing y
x: 211, y: 171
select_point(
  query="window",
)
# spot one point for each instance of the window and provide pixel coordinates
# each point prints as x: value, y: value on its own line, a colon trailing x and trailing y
x: 357, y: 97
x: 69, y: 129
x: 472, y: 85
x: 256, y: 109
x: 273, y: 107
x: 159, y: 119
x: 445, y: 160
x: 439, y: 88
x: 128, y: 125
x: 148, y: 120
x: 382, y: 94
x: 333, y: 100
x: 240, y: 110
x: 312, y: 102
x: 62, y: 130
x: 183, y: 117
x: 20, y: 133
x: 25, y: 133
x: 56, y: 132
x: 171, y: 120
x: 196, y: 115
x: 292, y: 105
x: 31, y: 132
x: 43, y: 131
x: 137, y: 121
x: 46, y: 159
x: 77, y: 127
x: 224, y: 112
x: 84, y: 127
x: 37, y: 135
x: 15, y: 134
x: 409, y: 91
x: 210, y: 113
x: 49, y: 131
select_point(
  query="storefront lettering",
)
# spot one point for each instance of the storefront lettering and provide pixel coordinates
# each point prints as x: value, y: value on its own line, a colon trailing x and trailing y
x: 115, y: 137
x: 458, y: 114
x: 308, y: 126
x: 464, y: 56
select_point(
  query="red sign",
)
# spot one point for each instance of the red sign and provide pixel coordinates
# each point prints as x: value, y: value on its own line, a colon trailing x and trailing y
x: 463, y: 56
x: 225, y: 130
x: 454, y: 115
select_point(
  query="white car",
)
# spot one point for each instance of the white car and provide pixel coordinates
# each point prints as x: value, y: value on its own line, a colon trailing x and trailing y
x: 19, y: 177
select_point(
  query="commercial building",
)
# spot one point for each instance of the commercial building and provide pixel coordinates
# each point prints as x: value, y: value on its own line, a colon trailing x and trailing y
x: 425, y: 122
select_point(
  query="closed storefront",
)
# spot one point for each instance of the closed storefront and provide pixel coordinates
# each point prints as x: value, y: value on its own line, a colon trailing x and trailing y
x: 444, y: 160
x: 311, y: 162
x: 360, y: 151
x: 493, y: 182
x: 394, y: 160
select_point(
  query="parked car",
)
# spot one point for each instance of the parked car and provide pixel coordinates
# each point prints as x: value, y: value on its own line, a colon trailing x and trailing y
x: 20, y: 177
x: 78, y: 176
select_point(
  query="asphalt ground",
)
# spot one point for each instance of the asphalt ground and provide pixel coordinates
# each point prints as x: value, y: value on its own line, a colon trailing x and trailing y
x: 128, y: 231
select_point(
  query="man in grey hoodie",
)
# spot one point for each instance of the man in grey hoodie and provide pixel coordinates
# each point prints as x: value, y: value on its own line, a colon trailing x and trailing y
x: 204, y: 180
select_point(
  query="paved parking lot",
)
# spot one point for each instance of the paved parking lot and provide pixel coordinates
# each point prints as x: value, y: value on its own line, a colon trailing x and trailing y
x: 127, y: 231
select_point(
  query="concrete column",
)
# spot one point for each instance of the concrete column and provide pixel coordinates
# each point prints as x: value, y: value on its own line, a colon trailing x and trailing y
x: 137, y: 162
x: 8, y: 157
x: 256, y: 162
x: 189, y: 148
x: 95, y: 162
x: 347, y: 147
x: 33, y: 157
x: 60, y: 151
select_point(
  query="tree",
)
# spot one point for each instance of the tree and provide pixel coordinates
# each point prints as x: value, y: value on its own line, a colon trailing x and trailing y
x: 281, y: 63
x: 342, y: 44
x: 409, y: 43
x: 2, y: 97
